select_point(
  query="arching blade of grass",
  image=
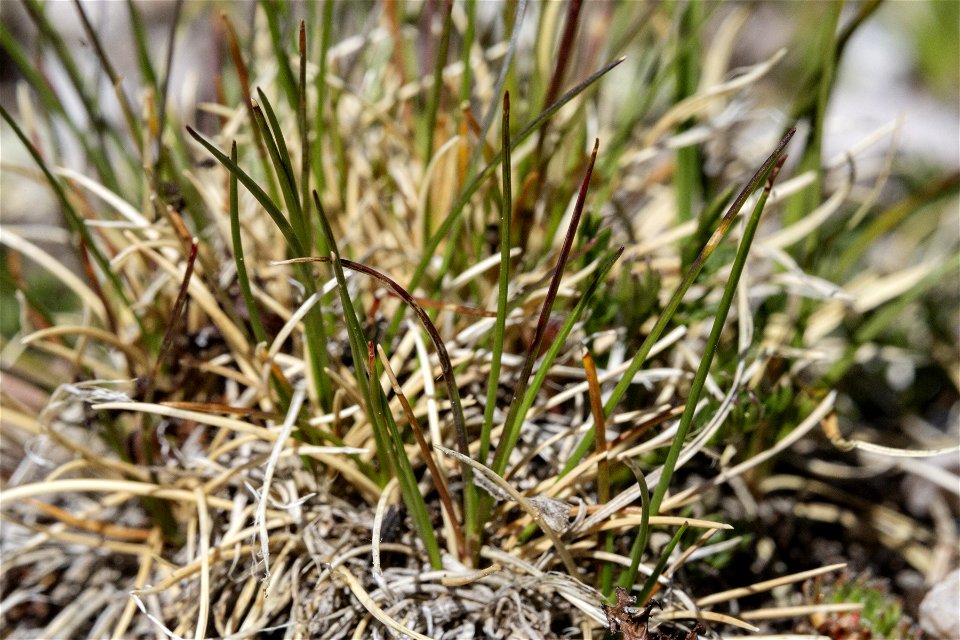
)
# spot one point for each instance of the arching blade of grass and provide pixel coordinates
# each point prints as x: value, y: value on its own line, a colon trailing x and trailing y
x: 446, y: 366
x: 390, y: 449
x: 439, y: 479
x: 457, y: 209
x: 628, y: 577
x: 700, y: 378
x: 511, y: 429
x: 503, y: 285
x: 667, y: 314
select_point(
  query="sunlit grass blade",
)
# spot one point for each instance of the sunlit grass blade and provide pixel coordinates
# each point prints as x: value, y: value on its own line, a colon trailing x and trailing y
x: 243, y: 277
x: 514, y: 418
x: 710, y: 349
x: 648, y: 587
x: 503, y: 285
x: 390, y: 450
x: 456, y: 210
x: 667, y: 314
x: 439, y: 479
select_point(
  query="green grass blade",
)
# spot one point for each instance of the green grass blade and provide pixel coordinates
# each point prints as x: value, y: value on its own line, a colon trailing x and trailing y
x: 258, y: 331
x: 444, y: 229
x: 651, y: 581
x: 115, y: 79
x: 273, y: 10
x: 412, y: 497
x: 511, y: 429
x: 433, y: 104
x: 304, y: 129
x: 629, y: 576
x: 710, y: 350
x: 390, y: 450
x: 689, y: 173
x: 293, y: 241
x: 667, y: 314
x: 148, y: 75
x: 280, y: 156
x: 320, y: 82
x: 503, y: 285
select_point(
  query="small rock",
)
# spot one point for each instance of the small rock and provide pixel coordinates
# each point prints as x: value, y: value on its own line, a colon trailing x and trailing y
x: 940, y: 609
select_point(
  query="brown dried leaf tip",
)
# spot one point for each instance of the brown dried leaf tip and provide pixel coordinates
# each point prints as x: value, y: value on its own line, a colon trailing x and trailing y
x: 634, y: 624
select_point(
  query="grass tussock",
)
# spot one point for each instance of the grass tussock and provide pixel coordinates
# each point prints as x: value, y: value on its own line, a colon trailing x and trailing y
x: 461, y: 319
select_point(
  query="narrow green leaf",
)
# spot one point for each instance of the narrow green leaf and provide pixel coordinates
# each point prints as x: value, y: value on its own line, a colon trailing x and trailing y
x: 667, y: 314
x: 293, y: 242
x: 651, y: 581
x: 444, y: 229
x: 258, y: 331
x: 503, y: 285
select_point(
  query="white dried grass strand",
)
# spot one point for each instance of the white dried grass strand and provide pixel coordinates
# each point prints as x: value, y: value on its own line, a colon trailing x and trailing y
x: 385, y: 497
x: 712, y: 616
x: 766, y: 585
x: 203, y: 518
x: 260, y: 518
x: 119, y: 205
x: 368, y: 603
